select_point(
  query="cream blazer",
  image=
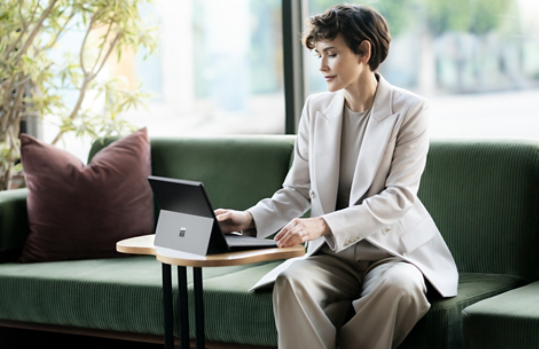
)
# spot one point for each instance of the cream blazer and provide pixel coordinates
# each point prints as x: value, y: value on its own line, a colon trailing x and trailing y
x: 391, y: 161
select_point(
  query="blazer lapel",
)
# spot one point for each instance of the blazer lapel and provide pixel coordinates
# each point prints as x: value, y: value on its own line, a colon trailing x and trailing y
x: 379, y: 127
x: 327, y: 133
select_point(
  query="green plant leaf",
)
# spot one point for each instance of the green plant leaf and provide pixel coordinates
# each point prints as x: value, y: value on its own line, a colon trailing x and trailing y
x: 18, y: 168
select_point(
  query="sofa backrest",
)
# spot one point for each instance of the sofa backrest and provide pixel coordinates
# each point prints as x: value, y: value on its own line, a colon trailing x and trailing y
x: 482, y: 194
x: 237, y: 171
x: 484, y: 197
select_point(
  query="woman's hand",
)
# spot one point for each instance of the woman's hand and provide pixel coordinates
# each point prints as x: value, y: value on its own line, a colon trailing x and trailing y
x: 300, y: 230
x: 231, y: 221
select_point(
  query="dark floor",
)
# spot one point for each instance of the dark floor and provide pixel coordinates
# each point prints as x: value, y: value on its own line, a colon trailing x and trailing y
x: 25, y: 339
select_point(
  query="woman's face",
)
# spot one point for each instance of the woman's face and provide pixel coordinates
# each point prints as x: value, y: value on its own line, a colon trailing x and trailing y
x: 338, y: 64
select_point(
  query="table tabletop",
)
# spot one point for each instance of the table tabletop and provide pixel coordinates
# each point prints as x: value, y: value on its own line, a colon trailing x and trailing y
x: 144, y: 245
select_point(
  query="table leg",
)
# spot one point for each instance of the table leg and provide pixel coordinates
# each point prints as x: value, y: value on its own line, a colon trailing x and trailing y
x: 167, y: 306
x: 199, y: 308
x: 183, y: 306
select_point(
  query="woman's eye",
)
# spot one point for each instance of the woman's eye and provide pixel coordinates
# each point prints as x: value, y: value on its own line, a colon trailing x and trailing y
x: 319, y: 56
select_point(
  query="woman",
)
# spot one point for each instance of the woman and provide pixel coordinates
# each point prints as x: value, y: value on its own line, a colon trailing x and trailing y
x: 360, y: 152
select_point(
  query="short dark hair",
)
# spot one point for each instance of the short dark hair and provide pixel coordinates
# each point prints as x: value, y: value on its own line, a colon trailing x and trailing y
x: 355, y: 23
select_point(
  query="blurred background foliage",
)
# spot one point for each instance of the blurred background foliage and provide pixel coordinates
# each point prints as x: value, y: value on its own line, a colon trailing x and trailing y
x: 32, y: 80
x: 218, y: 68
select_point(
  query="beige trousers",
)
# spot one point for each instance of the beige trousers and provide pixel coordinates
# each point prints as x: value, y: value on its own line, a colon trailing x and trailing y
x: 311, y: 300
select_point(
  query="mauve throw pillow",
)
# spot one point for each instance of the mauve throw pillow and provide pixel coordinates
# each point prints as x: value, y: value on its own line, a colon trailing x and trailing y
x: 80, y: 212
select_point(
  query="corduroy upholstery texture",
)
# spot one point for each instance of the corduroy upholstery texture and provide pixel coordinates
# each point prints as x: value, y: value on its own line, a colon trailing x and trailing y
x: 441, y: 326
x: 482, y: 195
x: 125, y: 295
x: 510, y: 320
x: 236, y: 171
x: 14, y: 228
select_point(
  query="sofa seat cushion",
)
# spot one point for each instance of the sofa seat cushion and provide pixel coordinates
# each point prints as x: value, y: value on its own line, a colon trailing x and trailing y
x: 441, y: 326
x: 125, y: 295
x: 509, y: 320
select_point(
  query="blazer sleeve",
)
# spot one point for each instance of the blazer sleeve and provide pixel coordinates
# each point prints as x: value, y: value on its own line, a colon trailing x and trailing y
x: 355, y: 223
x: 293, y: 200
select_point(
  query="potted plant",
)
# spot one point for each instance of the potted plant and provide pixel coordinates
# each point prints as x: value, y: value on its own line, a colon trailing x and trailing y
x: 30, y: 81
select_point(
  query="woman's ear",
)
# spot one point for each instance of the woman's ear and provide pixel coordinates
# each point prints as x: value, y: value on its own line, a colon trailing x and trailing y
x: 365, y: 47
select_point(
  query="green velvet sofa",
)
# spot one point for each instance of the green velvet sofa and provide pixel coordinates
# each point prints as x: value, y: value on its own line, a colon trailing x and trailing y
x: 482, y: 194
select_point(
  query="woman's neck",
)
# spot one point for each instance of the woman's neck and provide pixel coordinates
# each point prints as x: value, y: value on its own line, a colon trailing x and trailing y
x: 360, y: 96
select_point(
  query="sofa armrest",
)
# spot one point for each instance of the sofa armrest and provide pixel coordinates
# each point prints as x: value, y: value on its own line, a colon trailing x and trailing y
x: 14, y: 227
x: 507, y: 320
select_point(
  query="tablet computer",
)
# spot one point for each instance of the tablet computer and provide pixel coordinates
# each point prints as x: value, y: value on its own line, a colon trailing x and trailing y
x: 187, y: 222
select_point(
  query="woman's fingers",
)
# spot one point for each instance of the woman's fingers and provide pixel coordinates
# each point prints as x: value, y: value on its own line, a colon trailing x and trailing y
x: 293, y: 237
x: 300, y: 230
x: 280, y: 234
x: 220, y: 211
x: 285, y: 230
x: 223, y: 217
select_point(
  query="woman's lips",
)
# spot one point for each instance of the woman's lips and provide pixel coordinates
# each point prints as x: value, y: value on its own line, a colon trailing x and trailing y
x: 329, y: 78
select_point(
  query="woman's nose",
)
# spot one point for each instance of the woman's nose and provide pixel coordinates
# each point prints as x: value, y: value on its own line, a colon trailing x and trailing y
x: 323, y: 65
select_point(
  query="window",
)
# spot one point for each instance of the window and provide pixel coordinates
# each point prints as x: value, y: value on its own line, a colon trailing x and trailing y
x: 217, y: 70
x: 476, y: 60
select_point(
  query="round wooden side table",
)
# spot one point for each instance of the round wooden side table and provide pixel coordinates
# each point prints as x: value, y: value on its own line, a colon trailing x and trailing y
x: 144, y: 245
